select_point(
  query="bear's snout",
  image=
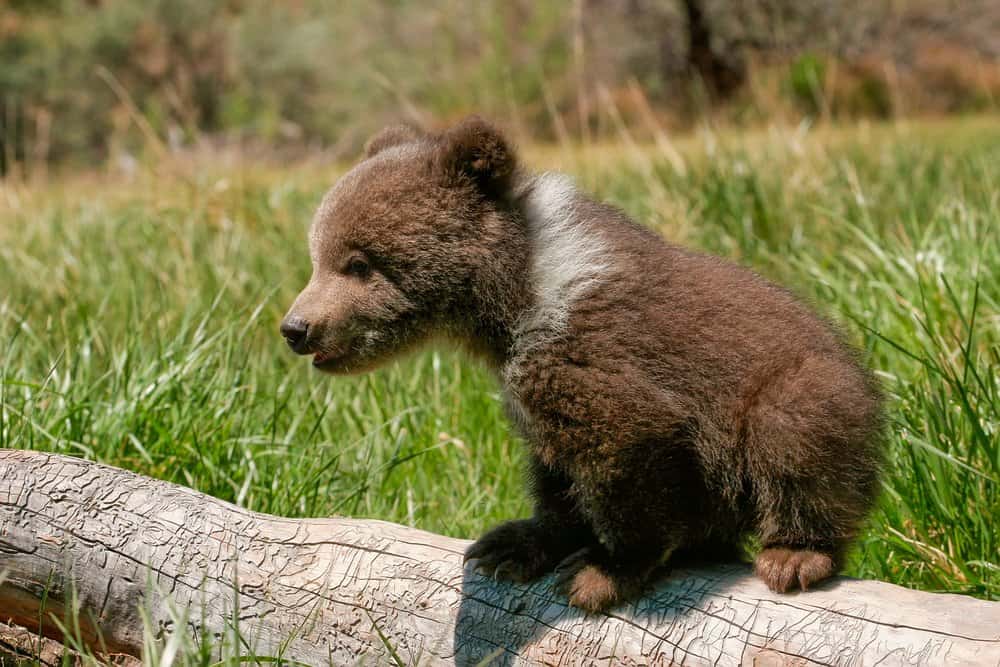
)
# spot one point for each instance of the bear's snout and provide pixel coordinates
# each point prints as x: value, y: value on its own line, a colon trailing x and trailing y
x: 295, y: 330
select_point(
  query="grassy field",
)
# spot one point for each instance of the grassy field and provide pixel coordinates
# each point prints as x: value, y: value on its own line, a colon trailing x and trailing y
x: 138, y: 327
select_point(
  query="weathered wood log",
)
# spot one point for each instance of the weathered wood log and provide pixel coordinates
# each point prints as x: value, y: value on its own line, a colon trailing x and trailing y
x: 339, y: 591
x: 22, y: 646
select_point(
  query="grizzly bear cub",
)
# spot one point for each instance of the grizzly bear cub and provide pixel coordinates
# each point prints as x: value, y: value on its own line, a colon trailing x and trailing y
x: 672, y: 402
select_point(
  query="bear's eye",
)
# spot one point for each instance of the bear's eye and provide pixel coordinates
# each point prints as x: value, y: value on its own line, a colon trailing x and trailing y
x: 358, y: 266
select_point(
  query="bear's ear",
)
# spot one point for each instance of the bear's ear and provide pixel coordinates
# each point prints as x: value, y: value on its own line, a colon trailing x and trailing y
x: 476, y: 151
x: 393, y: 135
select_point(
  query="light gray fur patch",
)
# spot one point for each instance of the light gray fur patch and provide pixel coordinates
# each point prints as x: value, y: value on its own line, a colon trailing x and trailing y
x: 568, y: 259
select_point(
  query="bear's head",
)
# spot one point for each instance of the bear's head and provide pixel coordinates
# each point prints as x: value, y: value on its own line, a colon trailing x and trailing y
x: 403, y: 244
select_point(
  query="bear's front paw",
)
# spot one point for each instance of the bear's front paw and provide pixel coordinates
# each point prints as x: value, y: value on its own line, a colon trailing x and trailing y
x: 591, y: 586
x: 585, y: 583
x: 513, y: 551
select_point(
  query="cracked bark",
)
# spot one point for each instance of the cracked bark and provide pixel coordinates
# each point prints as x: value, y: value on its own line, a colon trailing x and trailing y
x: 338, y: 591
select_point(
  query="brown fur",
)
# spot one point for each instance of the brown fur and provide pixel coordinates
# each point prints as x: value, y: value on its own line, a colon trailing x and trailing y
x: 684, y: 402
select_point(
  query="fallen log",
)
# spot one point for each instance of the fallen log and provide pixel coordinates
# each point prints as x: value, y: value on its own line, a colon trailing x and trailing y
x: 107, y: 543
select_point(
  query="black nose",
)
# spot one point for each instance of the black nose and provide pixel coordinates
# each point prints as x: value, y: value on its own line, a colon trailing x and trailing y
x: 294, y: 329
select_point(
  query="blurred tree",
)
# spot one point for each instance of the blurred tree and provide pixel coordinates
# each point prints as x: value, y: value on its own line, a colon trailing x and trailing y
x: 722, y: 68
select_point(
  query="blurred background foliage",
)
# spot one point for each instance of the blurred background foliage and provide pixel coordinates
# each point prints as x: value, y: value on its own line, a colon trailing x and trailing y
x: 85, y: 81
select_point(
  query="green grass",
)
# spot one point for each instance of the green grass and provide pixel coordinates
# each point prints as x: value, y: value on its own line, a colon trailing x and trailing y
x: 138, y: 327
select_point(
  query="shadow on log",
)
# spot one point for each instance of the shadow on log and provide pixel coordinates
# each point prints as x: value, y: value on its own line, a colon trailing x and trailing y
x: 339, y: 591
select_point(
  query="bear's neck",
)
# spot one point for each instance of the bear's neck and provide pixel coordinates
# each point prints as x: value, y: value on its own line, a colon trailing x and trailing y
x: 549, y: 257
x: 499, y: 294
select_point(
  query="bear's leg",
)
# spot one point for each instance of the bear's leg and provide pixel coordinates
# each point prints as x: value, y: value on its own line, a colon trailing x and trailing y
x: 803, y: 531
x: 525, y: 549
x: 806, y: 519
x: 812, y: 455
x: 642, y: 502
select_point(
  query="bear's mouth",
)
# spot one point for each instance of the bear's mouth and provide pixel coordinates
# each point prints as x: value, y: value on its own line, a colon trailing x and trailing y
x: 321, y: 359
x: 331, y: 357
